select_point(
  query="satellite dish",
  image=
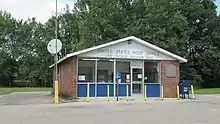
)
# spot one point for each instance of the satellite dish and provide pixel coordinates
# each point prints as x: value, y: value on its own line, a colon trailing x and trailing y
x: 51, y: 46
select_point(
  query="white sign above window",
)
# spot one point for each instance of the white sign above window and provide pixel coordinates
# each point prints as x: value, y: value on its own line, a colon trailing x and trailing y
x: 127, y: 50
x: 137, y: 63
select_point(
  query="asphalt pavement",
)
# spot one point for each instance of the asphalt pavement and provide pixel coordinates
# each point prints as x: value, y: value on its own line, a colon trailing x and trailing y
x: 204, y: 110
x: 24, y: 98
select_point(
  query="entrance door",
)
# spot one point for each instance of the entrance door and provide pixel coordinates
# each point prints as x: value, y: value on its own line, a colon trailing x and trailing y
x: 137, y: 76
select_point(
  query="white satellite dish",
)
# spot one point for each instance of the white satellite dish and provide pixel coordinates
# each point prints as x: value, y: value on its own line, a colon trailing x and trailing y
x: 51, y: 46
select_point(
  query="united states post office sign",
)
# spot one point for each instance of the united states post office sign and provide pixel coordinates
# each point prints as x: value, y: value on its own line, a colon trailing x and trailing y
x: 127, y: 51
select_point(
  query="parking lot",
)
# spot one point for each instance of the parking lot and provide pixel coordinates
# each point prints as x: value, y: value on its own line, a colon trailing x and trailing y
x: 24, y: 98
x: 204, y: 110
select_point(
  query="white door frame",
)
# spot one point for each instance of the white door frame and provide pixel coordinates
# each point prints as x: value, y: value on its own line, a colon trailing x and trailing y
x: 131, y: 73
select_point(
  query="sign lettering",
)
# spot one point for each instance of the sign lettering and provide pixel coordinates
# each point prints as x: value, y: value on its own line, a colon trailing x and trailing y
x: 127, y: 51
x: 131, y: 53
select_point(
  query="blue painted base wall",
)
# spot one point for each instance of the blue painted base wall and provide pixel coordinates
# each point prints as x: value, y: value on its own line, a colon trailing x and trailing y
x: 82, y: 90
x: 102, y: 90
x: 122, y: 89
x: 153, y: 90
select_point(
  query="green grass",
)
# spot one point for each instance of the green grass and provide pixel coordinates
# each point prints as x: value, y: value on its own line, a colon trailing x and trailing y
x: 208, y: 91
x: 7, y: 90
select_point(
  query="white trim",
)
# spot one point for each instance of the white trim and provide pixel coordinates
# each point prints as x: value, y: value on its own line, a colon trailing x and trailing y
x: 142, y: 80
x: 160, y: 76
x: 142, y: 84
x: 131, y: 77
x: 159, y: 72
x: 90, y: 59
x: 182, y: 60
x: 96, y: 75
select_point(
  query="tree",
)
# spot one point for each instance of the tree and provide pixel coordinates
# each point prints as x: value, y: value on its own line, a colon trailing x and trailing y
x: 203, y: 40
x: 7, y: 63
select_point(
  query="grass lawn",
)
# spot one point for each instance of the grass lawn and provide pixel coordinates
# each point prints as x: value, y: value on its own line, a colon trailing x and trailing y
x: 208, y: 91
x: 7, y: 90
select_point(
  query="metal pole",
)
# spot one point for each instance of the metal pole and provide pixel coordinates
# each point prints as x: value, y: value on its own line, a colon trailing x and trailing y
x: 88, y: 92
x: 131, y: 77
x: 126, y: 92
x: 56, y: 43
x: 178, y: 93
x: 108, y: 96
x: 96, y: 73
x: 193, y: 94
x: 117, y: 90
x: 114, y: 76
x: 56, y: 87
x: 162, y: 92
x: 145, y: 92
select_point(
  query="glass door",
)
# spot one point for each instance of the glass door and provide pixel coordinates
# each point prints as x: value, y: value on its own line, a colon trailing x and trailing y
x: 137, y: 80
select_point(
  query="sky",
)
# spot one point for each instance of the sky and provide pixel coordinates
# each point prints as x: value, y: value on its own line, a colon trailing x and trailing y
x: 42, y: 10
x: 217, y: 2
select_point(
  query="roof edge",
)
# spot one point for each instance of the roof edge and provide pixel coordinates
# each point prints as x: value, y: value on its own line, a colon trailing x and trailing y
x: 181, y: 59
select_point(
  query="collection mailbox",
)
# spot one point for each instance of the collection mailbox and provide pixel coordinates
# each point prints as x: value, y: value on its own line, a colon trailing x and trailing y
x: 184, y: 87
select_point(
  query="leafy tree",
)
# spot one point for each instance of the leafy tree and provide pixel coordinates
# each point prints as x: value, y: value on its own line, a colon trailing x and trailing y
x: 203, y: 38
x: 7, y: 63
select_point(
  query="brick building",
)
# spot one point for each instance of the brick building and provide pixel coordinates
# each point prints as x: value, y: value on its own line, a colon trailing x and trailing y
x: 125, y: 62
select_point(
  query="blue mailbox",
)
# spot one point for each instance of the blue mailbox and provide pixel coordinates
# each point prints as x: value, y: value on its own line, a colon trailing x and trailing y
x: 184, y: 87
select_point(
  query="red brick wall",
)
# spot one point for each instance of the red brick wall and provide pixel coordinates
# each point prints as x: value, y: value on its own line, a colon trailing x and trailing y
x: 67, y: 77
x: 170, y: 83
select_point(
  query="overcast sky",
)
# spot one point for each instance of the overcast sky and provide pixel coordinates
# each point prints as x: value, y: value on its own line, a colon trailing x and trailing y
x: 42, y: 10
x: 217, y: 2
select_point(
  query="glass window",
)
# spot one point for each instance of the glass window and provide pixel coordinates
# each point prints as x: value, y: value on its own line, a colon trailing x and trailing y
x: 105, y: 71
x: 137, y: 74
x: 123, y: 67
x: 86, y: 70
x: 151, y: 73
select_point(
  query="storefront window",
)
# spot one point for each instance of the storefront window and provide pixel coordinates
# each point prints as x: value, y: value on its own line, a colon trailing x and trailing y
x: 151, y: 72
x: 137, y: 74
x: 123, y: 67
x: 86, y: 70
x: 105, y: 71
